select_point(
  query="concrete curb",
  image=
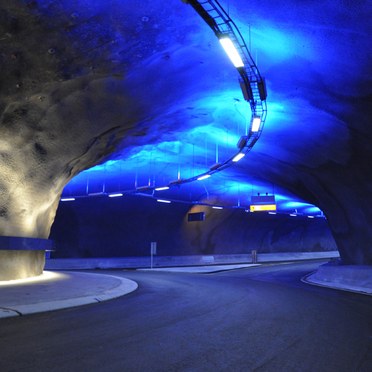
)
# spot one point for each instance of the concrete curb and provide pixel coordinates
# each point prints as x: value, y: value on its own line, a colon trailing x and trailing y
x: 200, y: 269
x: 336, y: 286
x: 126, y: 286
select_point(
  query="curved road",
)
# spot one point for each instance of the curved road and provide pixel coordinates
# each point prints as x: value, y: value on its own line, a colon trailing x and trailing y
x: 256, y: 319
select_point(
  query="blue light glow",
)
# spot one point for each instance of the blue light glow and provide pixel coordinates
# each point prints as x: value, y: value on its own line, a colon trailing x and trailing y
x: 280, y: 43
x: 205, y: 114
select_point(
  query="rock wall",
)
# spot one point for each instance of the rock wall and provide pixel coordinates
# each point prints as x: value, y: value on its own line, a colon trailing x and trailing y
x: 21, y: 264
x: 57, y: 117
x: 77, y: 77
x: 119, y: 227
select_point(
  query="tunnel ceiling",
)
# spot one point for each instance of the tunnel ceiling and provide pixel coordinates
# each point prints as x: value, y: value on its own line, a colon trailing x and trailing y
x: 164, y: 78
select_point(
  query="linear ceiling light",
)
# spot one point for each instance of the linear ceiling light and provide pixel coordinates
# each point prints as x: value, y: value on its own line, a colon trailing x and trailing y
x: 162, y: 188
x: 263, y: 207
x: 231, y: 51
x: 67, y: 199
x: 216, y: 207
x: 201, y: 178
x: 237, y: 157
x: 163, y: 201
x: 256, y: 123
x: 117, y: 195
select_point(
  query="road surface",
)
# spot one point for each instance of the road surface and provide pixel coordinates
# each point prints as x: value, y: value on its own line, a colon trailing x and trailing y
x: 255, y: 319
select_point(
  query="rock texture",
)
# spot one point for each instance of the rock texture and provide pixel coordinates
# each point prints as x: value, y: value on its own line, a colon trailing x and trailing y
x: 56, y: 120
x: 325, y: 158
x: 81, y: 79
x: 103, y: 227
x: 21, y: 264
x: 72, y: 87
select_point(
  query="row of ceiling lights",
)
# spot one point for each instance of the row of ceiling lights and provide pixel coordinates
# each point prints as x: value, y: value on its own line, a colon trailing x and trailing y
x: 295, y: 213
x: 251, y: 82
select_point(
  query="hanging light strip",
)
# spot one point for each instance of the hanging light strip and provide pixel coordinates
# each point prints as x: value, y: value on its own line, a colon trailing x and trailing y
x: 251, y: 82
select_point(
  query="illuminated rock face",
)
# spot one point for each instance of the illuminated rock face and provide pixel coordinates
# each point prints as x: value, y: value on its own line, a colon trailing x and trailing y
x: 318, y: 143
x: 69, y: 93
x: 79, y: 76
x: 342, y: 190
x: 49, y: 137
x: 21, y: 264
x: 52, y: 126
x: 59, y: 115
x: 132, y: 222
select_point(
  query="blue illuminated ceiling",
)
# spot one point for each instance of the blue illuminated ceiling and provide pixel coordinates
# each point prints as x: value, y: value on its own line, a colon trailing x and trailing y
x: 192, y: 108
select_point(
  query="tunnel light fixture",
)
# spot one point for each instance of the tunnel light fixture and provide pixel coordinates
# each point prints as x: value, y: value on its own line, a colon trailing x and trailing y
x: 163, y: 188
x: 116, y: 195
x: 262, y: 207
x: 256, y: 123
x: 310, y: 217
x: 238, y: 156
x: 67, y: 199
x: 231, y: 51
x: 217, y: 207
x: 163, y: 201
x: 201, y: 178
x: 293, y: 214
x: 272, y: 212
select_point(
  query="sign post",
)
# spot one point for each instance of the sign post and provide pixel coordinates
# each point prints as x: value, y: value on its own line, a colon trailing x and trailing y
x: 152, y: 252
x: 254, y: 256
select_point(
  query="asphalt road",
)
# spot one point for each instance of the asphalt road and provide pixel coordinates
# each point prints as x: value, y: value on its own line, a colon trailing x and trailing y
x: 256, y: 319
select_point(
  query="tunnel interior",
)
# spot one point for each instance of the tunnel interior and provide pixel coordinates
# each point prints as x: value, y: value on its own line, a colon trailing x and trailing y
x: 110, y: 97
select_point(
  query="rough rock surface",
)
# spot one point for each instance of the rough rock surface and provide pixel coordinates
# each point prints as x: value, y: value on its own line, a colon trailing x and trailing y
x: 21, y: 264
x: 126, y: 226
x: 55, y: 119
x: 77, y: 76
